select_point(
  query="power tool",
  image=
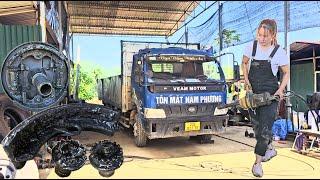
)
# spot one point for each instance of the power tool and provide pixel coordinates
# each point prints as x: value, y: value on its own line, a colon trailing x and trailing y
x: 251, y: 100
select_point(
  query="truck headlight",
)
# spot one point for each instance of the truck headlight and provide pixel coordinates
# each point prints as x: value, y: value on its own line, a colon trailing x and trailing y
x: 154, y: 113
x: 220, y: 111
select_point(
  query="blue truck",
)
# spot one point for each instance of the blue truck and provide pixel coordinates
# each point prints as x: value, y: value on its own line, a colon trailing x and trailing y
x: 167, y: 90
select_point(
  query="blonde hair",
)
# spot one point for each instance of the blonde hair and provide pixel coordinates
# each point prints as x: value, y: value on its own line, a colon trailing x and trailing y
x: 271, y: 26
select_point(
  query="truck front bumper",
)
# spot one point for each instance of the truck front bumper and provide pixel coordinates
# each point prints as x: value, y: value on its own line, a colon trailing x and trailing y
x: 173, y: 127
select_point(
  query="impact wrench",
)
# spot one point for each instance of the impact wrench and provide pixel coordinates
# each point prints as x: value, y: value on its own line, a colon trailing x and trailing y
x: 252, y: 100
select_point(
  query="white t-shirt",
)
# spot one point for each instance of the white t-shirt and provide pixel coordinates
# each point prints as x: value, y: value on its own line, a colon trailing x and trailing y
x: 280, y: 58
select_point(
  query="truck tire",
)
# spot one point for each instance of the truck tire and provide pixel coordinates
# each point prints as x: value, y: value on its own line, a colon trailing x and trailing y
x: 140, y: 138
x: 206, y: 138
x: 10, y: 115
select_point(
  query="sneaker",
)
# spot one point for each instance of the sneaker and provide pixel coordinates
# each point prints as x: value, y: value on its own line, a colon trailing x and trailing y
x: 270, y: 153
x: 257, y: 170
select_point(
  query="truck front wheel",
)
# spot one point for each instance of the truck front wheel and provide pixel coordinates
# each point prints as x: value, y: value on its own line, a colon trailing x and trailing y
x: 10, y: 116
x: 140, y: 137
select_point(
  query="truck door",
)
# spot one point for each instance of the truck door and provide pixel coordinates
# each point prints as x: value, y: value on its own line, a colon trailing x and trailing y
x: 138, y: 78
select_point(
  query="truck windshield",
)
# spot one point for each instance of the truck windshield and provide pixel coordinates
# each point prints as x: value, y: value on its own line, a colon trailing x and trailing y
x: 194, y: 71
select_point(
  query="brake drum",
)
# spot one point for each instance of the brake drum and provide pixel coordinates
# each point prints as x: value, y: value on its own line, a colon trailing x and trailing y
x: 35, y: 75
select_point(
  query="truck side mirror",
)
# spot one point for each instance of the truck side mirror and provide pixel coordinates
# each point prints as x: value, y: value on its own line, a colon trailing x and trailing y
x: 236, y: 72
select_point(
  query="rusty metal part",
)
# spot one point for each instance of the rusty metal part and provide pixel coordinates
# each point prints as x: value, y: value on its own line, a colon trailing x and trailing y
x: 106, y: 156
x: 35, y: 75
x: 25, y: 140
x: 68, y: 156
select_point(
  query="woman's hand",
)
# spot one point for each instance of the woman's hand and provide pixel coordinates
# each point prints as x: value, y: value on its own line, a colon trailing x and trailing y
x: 280, y: 93
x: 247, y: 86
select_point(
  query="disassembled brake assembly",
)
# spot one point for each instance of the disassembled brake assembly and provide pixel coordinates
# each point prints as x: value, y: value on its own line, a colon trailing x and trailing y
x: 25, y: 140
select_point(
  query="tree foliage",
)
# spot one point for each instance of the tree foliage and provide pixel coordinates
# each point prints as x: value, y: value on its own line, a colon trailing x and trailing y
x: 87, y: 84
x: 228, y: 36
x: 88, y: 76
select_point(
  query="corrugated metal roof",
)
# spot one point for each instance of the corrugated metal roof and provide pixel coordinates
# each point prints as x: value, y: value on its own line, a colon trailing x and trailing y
x: 299, y: 49
x: 5, y: 5
x: 299, y: 45
x: 161, y: 18
x: 18, y: 12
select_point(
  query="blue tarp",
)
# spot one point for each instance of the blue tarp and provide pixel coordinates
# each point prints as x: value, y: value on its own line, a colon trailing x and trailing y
x: 280, y: 128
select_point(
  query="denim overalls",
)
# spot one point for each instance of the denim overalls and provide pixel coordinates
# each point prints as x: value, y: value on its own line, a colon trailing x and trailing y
x: 262, y: 80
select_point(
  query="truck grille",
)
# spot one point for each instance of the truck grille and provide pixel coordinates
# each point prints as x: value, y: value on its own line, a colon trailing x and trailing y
x: 189, y: 110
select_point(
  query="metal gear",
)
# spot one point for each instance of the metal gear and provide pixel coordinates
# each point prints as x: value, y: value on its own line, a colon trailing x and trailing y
x: 106, y: 156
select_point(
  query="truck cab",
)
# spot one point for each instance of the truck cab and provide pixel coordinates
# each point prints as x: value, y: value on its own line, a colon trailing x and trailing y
x: 175, y: 92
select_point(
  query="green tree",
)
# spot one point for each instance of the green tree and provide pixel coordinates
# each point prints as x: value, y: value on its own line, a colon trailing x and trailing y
x: 89, y: 73
x: 87, y: 84
x: 87, y: 80
x: 228, y: 37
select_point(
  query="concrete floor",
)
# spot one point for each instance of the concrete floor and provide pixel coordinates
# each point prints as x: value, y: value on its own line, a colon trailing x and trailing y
x: 286, y: 165
x: 178, y: 147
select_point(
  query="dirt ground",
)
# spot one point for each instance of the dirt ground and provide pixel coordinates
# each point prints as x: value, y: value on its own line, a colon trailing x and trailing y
x: 232, y: 140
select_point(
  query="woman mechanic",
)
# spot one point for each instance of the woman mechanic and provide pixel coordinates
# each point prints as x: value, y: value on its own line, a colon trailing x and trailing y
x: 260, y: 64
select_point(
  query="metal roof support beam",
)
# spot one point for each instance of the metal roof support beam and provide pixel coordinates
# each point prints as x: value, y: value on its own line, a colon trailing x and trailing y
x: 220, y: 28
x: 286, y: 30
x: 287, y: 47
x: 81, y: 31
x: 83, y: 15
x: 116, y: 20
x: 72, y: 47
x: 130, y: 7
x: 162, y: 11
x: 119, y: 27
